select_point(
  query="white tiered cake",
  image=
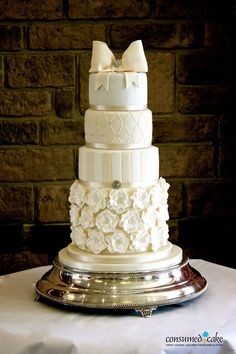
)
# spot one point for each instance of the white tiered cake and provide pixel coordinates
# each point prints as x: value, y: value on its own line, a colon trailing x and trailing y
x: 119, y: 207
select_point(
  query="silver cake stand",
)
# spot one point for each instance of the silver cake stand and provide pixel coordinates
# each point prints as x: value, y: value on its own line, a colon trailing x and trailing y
x: 142, y: 291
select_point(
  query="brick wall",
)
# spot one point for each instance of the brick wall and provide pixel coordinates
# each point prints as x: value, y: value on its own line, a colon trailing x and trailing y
x: 45, y: 51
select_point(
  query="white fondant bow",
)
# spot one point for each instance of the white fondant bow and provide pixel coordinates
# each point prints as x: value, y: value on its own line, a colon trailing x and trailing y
x: 133, y: 59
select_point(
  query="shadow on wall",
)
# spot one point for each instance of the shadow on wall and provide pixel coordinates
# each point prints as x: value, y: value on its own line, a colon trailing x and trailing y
x: 37, y: 246
x: 209, y: 239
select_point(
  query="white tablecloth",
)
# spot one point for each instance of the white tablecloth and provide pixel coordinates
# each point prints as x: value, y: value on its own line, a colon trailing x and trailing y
x: 33, y: 327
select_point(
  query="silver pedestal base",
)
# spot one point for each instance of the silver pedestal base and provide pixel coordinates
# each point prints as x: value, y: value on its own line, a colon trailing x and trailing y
x: 143, y: 291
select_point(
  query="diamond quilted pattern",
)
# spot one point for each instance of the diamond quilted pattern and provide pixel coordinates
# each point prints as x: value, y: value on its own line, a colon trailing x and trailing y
x: 105, y: 127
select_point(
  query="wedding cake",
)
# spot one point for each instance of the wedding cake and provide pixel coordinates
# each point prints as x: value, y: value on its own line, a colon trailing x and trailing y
x: 118, y: 206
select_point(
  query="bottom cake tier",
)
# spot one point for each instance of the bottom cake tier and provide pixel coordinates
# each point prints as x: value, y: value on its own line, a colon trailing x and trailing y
x: 119, y: 221
x: 166, y: 256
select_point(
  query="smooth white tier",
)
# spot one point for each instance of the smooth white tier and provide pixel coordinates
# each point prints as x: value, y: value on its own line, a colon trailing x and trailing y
x: 118, y: 129
x: 117, y: 94
x: 168, y: 256
x: 125, y: 166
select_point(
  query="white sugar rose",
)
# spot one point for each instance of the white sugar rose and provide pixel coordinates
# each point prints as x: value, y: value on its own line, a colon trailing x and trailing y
x: 150, y: 217
x: 78, y: 237
x: 156, y: 241
x: 117, y: 243
x: 162, y: 212
x: 74, y: 214
x: 130, y: 221
x: 140, y: 241
x: 163, y: 233
x: 86, y: 218
x: 107, y: 221
x: 95, y: 241
x: 96, y: 199
x: 156, y: 195
x: 141, y: 199
x: 159, y: 193
x: 164, y: 185
x: 77, y: 194
x: 119, y: 200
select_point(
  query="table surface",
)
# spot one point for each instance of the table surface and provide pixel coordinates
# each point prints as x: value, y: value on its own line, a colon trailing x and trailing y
x: 27, y: 326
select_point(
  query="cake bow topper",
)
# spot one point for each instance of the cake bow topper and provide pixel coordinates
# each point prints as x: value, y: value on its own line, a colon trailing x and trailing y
x: 133, y: 59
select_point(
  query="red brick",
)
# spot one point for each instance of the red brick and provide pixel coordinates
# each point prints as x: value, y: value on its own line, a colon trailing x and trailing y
x: 186, y: 160
x: 211, y: 199
x: 161, y: 87
x: 227, y: 127
x: 63, y: 132
x: 24, y: 102
x: 194, y: 9
x: 173, y: 231
x: 40, y: 70
x: 16, y: 203
x: 1, y: 72
x: 158, y: 35
x: 191, y: 35
x: 227, y: 157
x: 31, y: 10
x: 96, y: 9
x: 204, y: 68
x: 52, y: 203
x: 154, y: 35
x: 35, y: 164
x: 209, y: 238
x: 219, y: 35
x: 19, y: 132
x: 12, y: 234
x: 183, y: 128
x: 180, y: 9
x: 65, y: 102
x: 10, y: 36
x: 204, y: 99
x: 65, y: 36
x: 85, y: 60
x: 218, y: 10
x: 175, y: 200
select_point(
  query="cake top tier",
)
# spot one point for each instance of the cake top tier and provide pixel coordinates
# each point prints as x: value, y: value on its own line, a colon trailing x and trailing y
x: 133, y: 59
x: 118, y: 84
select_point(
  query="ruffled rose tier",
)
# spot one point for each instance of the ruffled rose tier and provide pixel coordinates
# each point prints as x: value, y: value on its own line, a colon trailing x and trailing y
x: 119, y: 221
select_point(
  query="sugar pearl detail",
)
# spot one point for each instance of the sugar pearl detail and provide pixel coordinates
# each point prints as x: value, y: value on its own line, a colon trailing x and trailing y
x: 116, y: 184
